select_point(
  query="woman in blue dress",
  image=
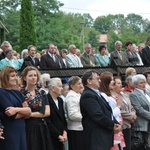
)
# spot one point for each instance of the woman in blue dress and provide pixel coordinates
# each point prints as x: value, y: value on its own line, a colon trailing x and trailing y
x: 102, y: 59
x: 38, y: 135
x: 13, y: 110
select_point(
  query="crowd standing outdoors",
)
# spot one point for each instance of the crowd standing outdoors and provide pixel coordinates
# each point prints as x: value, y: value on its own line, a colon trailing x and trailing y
x: 97, y: 111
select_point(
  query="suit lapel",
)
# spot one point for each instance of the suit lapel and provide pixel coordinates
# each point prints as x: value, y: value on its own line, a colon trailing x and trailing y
x: 143, y: 97
x: 52, y: 104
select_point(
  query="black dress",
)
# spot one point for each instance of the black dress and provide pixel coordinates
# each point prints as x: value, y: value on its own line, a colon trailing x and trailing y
x: 14, y: 129
x: 38, y: 136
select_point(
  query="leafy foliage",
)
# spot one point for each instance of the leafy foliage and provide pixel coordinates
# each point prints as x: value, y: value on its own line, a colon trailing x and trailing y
x: 27, y: 25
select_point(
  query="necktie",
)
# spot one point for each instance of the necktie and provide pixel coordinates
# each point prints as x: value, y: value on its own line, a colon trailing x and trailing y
x: 54, y: 58
x: 120, y: 55
x: 33, y: 60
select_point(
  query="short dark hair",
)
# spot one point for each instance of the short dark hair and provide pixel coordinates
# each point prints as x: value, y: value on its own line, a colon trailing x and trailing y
x: 88, y: 75
x: 128, y: 43
x: 146, y: 73
x: 101, y: 47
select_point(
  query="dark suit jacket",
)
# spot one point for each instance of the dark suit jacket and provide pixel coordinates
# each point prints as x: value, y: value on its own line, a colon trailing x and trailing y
x: 56, y: 122
x: 115, y: 59
x: 2, y: 56
x: 47, y: 62
x: 146, y: 55
x: 97, y: 121
x: 29, y: 62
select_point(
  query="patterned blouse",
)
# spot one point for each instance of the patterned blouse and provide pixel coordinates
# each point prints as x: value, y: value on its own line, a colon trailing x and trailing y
x: 36, y: 103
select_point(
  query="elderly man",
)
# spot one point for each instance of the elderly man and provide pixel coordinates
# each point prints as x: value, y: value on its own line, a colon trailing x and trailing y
x: 72, y: 59
x: 88, y: 59
x: 98, y: 121
x: 4, y: 46
x: 118, y: 57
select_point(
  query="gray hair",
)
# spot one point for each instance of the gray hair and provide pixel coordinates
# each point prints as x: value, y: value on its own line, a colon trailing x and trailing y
x: 25, y: 51
x: 118, y: 42
x: 6, y: 42
x: 70, y: 46
x: 45, y: 77
x: 129, y: 78
x: 136, y: 78
x: 53, y: 82
x: 87, y: 44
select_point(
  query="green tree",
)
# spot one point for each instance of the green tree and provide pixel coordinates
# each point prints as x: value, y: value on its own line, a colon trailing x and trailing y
x: 27, y: 25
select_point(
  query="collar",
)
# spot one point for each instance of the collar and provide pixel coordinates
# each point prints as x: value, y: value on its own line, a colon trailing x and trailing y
x: 126, y: 88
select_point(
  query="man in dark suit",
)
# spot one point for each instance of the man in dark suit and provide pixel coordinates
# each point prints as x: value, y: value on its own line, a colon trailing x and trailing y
x: 146, y: 53
x: 57, y: 123
x: 51, y: 60
x: 31, y: 60
x: 98, y: 121
x: 118, y: 57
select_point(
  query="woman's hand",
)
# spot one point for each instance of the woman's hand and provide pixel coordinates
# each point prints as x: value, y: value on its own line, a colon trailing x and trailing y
x: 10, y: 111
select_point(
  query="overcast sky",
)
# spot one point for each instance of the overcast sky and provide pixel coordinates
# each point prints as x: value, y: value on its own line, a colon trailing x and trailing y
x: 104, y: 7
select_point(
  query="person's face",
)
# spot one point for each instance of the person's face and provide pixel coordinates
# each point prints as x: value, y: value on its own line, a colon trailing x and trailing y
x: 9, y: 55
x: 103, y: 51
x: 129, y: 47
x: 52, y: 49
x: 58, y: 89
x: 119, y: 46
x: 32, y: 51
x: 130, y: 83
x: 73, y: 49
x: 111, y: 85
x: 64, y: 54
x: 148, y: 42
x: 95, y: 81
x: 31, y: 78
x: 133, y: 73
x: 13, y: 79
x: 148, y: 78
x: 141, y: 85
x: 78, y: 86
x: 88, y: 49
x: 25, y: 55
x: 5, y: 47
x: 65, y: 91
x: 117, y: 85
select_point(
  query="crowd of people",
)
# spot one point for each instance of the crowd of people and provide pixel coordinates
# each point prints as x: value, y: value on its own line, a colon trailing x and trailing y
x: 97, y: 111
x: 52, y: 58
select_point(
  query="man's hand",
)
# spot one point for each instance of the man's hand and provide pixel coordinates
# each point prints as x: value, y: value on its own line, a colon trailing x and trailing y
x: 117, y: 128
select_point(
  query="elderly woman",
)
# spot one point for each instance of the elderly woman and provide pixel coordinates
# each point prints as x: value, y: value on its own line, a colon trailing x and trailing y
x: 128, y: 112
x: 75, y: 129
x: 141, y: 103
x: 56, y: 121
x: 101, y: 58
x: 9, y: 60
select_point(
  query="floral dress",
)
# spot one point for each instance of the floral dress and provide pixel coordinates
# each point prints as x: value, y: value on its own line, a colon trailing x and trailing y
x: 38, y: 136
